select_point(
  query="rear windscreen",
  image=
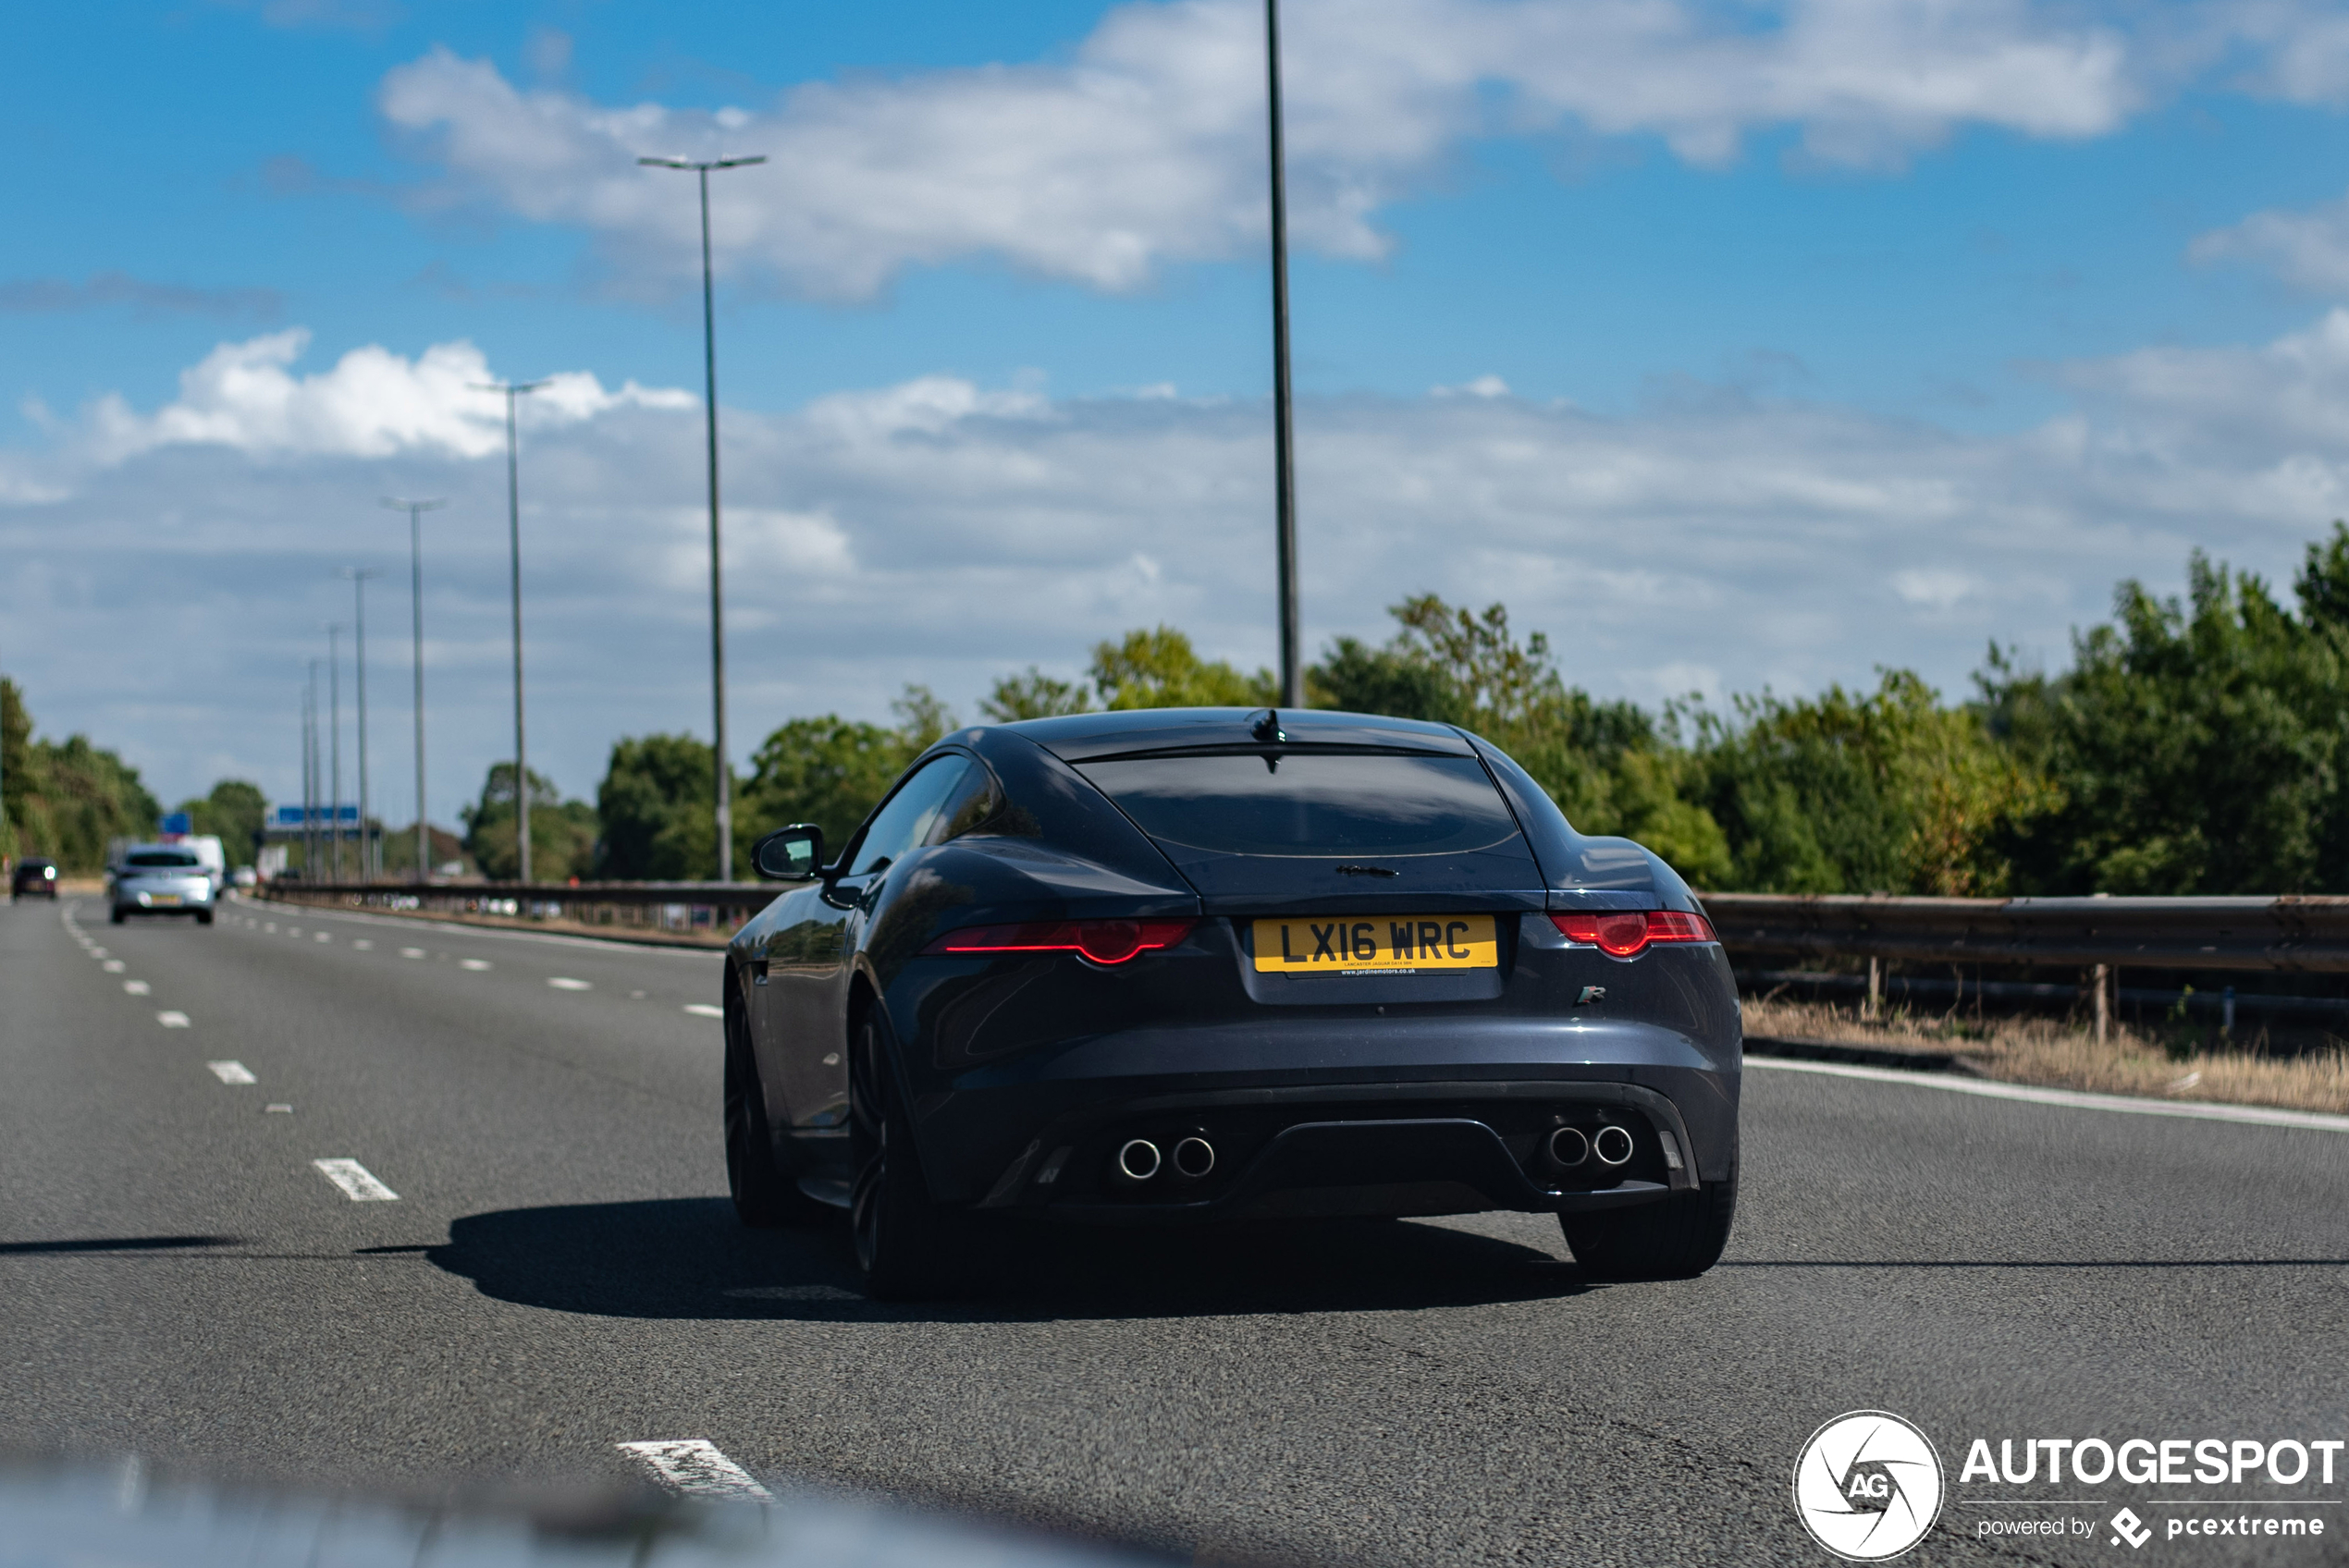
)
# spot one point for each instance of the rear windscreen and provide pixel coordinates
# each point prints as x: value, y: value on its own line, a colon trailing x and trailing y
x: 163, y: 857
x: 1310, y: 804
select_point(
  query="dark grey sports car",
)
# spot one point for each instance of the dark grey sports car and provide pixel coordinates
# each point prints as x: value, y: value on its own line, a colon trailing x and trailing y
x: 1183, y: 965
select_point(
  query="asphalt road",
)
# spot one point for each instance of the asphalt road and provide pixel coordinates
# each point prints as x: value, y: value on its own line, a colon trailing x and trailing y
x: 559, y: 1274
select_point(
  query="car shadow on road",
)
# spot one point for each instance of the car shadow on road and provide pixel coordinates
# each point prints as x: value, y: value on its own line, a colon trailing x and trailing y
x: 688, y: 1258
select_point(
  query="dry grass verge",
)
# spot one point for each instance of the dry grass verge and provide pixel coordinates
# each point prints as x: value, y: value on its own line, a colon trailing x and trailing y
x: 2060, y: 1054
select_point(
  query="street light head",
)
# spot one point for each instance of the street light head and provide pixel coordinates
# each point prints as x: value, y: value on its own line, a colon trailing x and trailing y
x: 739, y: 162
x: 665, y: 162
x: 399, y: 505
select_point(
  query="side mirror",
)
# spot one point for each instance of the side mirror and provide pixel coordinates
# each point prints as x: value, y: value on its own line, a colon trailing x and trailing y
x: 790, y: 854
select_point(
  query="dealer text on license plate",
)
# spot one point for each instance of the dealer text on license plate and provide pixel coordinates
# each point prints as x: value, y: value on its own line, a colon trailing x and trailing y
x: 1352, y: 945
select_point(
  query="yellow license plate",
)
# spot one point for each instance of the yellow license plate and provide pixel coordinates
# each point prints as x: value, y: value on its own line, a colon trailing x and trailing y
x: 1388, y: 944
x: 165, y: 898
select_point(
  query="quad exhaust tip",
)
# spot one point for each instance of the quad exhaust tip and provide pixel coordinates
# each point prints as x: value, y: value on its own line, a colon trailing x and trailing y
x: 1569, y: 1146
x: 1138, y: 1161
x: 1613, y: 1145
x: 1193, y: 1158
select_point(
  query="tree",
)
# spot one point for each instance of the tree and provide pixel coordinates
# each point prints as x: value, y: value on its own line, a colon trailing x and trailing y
x: 69, y: 798
x: 832, y: 771
x: 657, y: 807
x: 2200, y: 745
x: 1034, y: 696
x: 237, y: 812
x: 1159, y: 669
x: 562, y: 833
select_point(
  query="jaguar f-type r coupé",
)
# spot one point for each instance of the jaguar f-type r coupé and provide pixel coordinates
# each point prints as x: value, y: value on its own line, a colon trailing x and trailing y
x: 1186, y: 965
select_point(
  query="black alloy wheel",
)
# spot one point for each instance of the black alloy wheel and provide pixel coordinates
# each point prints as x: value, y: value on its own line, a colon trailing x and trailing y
x: 907, y: 1249
x: 765, y: 1195
x: 1676, y: 1239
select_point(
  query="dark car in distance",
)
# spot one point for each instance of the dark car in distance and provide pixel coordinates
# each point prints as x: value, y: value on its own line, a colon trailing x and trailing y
x: 34, y: 877
x: 1181, y: 965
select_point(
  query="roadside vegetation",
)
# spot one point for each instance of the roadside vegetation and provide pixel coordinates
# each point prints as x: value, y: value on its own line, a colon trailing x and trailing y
x: 2164, y: 1061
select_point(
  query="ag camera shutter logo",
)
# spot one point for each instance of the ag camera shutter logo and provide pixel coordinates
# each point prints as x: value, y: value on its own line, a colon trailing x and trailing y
x: 1867, y: 1485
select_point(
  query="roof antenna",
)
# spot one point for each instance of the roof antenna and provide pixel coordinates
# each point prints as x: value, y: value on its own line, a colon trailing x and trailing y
x: 1268, y: 728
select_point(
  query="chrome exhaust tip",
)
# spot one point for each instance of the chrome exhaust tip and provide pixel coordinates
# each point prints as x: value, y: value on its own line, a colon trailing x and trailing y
x: 1137, y: 1161
x: 1193, y: 1158
x: 1613, y: 1145
x: 1570, y: 1147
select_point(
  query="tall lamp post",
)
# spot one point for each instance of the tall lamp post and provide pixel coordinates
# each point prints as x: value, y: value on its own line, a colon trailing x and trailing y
x: 334, y: 736
x: 512, y: 391
x: 415, y: 510
x: 1284, y: 472
x: 717, y: 582
x: 310, y: 776
x: 359, y: 575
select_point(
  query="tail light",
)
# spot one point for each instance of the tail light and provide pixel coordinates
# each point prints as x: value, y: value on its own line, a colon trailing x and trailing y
x: 1628, y: 933
x: 1104, y: 941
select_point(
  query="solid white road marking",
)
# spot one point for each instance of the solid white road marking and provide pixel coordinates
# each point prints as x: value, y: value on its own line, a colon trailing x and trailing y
x: 472, y: 963
x: 2198, y: 1111
x: 113, y: 966
x: 136, y: 987
x: 172, y: 1019
x: 362, y: 945
x: 231, y: 1072
x: 411, y: 952
x: 355, y: 1178
x: 694, y: 1468
x: 702, y: 1010
x: 564, y: 982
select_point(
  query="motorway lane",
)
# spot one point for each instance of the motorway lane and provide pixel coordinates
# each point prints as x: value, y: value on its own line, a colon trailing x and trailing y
x: 570, y: 1279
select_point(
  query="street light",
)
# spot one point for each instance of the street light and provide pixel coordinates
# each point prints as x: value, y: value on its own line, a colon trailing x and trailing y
x: 717, y: 594
x: 1284, y: 472
x: 415, y: 510
x: 334, y: 733
x: 310, y: 776
x: 513, y: 389
x: 359, y: 575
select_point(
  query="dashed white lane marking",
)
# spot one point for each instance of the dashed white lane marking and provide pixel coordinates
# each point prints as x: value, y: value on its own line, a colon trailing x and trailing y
x: 565, y: 983
x: 696, y: 1467
x: 704, y: 1010
x: 357, y: 1183
x: 231, y: 1072
x: 100, y: 952
x: 362, y: 945
x: 293, y: 930
x: 136, y: 987
x: 113, y: 966
x: 324, y: 936
x: 172, y: 1019
x: 271, y: 925
x: 411, y: 952
x: 2198, y: 1111
x: 472, y: 963
x: 281, y: 1110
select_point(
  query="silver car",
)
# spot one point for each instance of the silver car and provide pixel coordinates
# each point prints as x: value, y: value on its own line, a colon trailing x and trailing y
x: 160, y: 879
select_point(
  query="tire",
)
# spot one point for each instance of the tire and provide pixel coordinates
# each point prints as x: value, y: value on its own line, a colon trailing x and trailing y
x: 1678, y: 1239
x: 204, y: 917
x: 907, y: 1249
x: 116, y: 916
x: 765, y: 1195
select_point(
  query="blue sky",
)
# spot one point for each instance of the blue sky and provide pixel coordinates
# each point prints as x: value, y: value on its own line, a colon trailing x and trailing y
x: 1732, y: 344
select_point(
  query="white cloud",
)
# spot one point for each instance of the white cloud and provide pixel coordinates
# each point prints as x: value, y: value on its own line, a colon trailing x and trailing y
x: 945, y: 533
x: 1145, y: 147
x: 2310, y: 247
x: 373, y: 403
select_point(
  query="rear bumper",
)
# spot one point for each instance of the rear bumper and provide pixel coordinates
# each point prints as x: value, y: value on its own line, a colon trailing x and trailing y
x: 1432, y: 1115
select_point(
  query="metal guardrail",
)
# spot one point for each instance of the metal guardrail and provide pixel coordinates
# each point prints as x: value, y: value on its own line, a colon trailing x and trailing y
x: 681, y: 912
x: 2306, y: 934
